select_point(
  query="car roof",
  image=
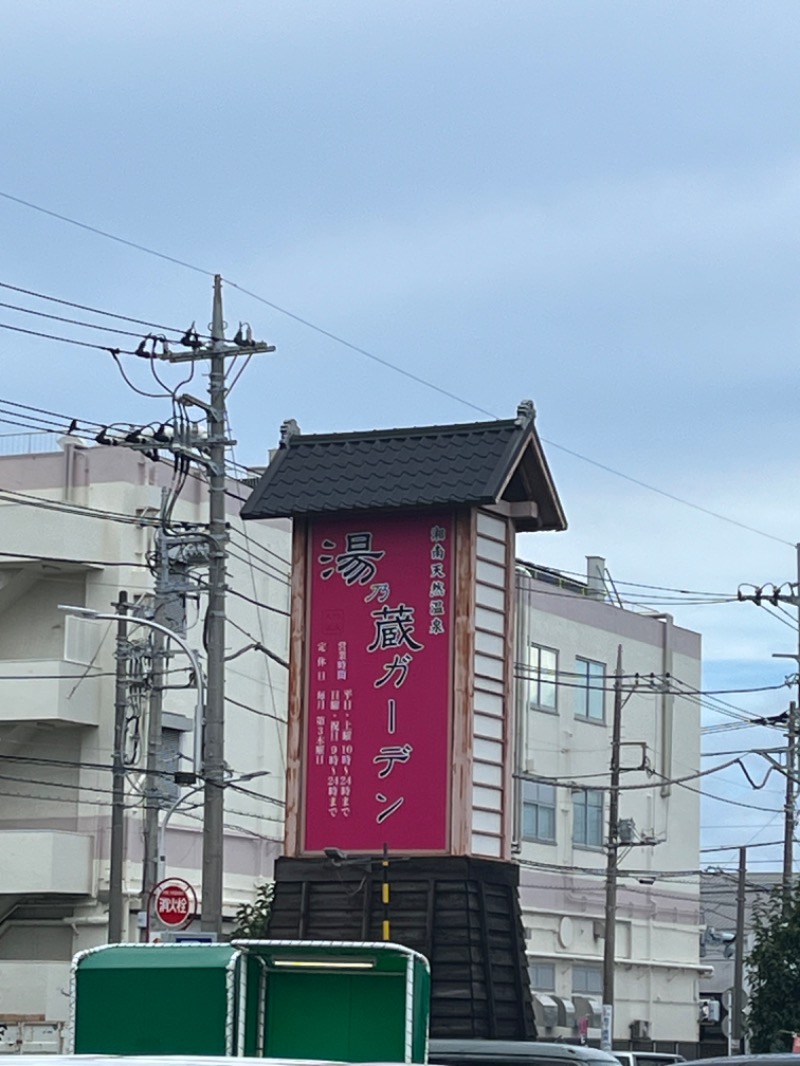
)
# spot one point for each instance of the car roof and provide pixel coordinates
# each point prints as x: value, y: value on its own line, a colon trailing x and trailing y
x: 655, y: 1056
x: 534, y: 1049
x: 779, y: 1058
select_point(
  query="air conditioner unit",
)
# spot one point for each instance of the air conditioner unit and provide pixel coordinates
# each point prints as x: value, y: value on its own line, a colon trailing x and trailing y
x: 626, y: 830
x: 640, y: 1029
x: 545, y: 1011
x: 566, y: 1012
x: 710, y: 1011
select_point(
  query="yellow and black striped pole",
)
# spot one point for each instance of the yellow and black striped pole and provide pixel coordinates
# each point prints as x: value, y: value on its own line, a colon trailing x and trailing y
x: 385, y: 895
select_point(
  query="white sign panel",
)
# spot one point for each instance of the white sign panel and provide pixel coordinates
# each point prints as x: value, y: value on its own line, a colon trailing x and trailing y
x: 606, y: 1027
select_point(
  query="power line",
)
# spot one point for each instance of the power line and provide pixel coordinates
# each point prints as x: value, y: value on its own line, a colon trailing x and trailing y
x: 255, y: 710
x: 258, y: 603
x: 735, y: 847
x: 386, y: 363
x: 103, y: 233
x: 724, y: 799
x: 93, y: 310
x: 64, y: 340
x: 67, y: 560
x: 524, y: 672
x: 61, y: 507
x: 53, y: 677
x: 73, y: 321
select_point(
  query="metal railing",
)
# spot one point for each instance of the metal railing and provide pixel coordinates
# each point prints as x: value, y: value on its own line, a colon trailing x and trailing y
x: 26, y: 443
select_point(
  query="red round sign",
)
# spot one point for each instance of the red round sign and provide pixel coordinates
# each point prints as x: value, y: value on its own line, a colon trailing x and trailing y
x: 175, y: 903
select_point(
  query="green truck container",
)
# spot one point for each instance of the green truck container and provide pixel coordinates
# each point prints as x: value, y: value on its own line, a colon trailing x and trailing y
x: 267, y: 998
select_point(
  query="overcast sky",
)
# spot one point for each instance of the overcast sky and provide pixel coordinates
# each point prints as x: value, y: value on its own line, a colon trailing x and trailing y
x: 591, y: 204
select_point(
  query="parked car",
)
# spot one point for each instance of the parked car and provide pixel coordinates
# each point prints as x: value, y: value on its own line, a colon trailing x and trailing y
x: 779, y: 1058
x: 515, y: 1053
x: 648, y: 1058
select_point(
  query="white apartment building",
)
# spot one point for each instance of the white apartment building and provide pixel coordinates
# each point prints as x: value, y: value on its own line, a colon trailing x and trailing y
x: 568, y: 634
x: 71, y: 532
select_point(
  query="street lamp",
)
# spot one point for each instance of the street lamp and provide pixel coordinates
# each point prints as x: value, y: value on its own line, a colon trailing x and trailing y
x: 162, y: 829
x: 199, y: 707
x: 116, y: 920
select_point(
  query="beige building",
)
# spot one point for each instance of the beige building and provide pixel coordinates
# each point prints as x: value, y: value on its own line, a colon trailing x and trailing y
x: 568, y: 633
x: 76, y: 528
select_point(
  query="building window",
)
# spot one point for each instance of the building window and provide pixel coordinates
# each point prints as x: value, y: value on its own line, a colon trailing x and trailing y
x: 542, y: 671
x: 590, y: 692
x: 587, y: 980
x: 538, y: 812
x: 542, y: 976
x: 587, y: 818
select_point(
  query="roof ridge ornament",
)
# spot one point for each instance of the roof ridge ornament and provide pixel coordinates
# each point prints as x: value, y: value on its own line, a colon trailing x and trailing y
x: 526, y: 412
x: 289, y: 429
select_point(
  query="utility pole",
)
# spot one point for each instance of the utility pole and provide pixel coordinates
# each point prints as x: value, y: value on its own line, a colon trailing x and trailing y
x: 214, y: 744
x: 154, y: 779
x: 789, y: 805
x: 737, y: 1026
x: 217, y: 351
x: 116, y: 907
x: 791, y: 766
x: 210, y: 452
x: 612, y: 846
x: 775, y: 597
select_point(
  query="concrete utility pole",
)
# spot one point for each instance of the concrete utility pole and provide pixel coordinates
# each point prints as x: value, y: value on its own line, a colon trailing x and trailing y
x: 116, y: 903
x: 791, y: 765
x: 214, y: 758
x: 775, y: 597
x: 217, y: 351
x: 154, y: 777
x: 210, y: 452
x: 789, y: 818
x: 737, y: 1021
x: 612, y: 845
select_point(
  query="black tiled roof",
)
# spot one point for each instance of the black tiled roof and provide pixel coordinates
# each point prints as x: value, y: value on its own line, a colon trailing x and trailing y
x: 430, y: 466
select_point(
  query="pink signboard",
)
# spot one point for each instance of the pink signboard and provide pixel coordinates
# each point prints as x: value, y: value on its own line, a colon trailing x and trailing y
x: 378, y: 683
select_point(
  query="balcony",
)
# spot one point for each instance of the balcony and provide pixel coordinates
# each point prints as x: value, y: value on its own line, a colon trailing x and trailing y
x: 42, y: 861
x: 49, y: 690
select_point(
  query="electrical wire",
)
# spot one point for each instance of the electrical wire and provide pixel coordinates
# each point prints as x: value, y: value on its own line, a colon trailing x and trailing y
x: 272, y: 575
x: 73, y: 800
x: 523, y: 672
x: 135, y: 388
x: 64, y: 340
x: 256, y: 645
x: 118, y: 331
x: 255, y: 710
x: 568, y: 783
x: 579, y: 577
x: 95, y: 310
x: 733, y: 848
x: 777, y: 617
x: 255, y: 549
x: 77, y: 510
x: 55, y: 677
x: 67, y: 560
x: 724, y: 799
x: 103, y: 233
x: 387, y: 364
x: 254, y: 602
